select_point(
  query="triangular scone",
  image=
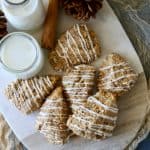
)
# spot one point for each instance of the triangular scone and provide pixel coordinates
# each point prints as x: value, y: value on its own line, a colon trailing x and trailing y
x: 96, y: 119
x: 28, y: 95
x: 116, y: 75
x: 78, y: 45
x: 78, y: 84
x: 52, y: 118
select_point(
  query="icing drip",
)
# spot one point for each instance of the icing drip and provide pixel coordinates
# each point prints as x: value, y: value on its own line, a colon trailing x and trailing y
x: 99, y: 126
x: 90, y: 40
x: 65, y: 55
x: 69, y: 39
x: 99, y: 103
x: 109, y: 84
x: 113, y: 65
x: 97, y: 114
x: 96, y: 132
x: 83, y: 42
x: 111, y: 74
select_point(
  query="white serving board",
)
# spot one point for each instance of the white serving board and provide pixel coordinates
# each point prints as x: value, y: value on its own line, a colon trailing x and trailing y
x: 113, y: 39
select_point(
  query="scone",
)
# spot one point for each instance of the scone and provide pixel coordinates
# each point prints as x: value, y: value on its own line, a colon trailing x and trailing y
x: 78, y: 84
x: 116, y: 75
x: 28, y: 95
x: 52, y: 119
x: 78, y: 45
x: 96, y: 119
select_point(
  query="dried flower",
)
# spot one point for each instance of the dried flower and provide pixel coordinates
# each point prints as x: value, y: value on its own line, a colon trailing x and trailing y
x: 81, y: 9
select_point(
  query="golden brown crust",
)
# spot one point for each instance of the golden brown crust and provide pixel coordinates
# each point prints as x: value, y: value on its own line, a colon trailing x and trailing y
x: 76, y: 46
x: 115, y: 75
x: 51, y: 121
x: 28, y: 95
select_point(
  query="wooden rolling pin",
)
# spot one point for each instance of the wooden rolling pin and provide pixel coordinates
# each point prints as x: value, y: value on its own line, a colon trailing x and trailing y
x: 49, y: 31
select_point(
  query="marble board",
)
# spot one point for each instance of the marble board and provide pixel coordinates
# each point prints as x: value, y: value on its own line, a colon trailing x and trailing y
x: 133, y: 106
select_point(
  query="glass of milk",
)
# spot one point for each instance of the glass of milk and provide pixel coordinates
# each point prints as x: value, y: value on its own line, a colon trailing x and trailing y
x: 21, y: 55
x: 24, y: 14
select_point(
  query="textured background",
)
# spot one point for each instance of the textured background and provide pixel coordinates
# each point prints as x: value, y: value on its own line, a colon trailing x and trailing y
x: 135, y: 18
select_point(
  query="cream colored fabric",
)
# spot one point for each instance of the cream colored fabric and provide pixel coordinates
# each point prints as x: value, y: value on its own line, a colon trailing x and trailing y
x: 8, y: 140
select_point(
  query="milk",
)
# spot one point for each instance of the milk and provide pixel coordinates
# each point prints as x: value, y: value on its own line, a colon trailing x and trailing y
x: 18, y: 52
x: 28, y: 15
x: 21, y: 55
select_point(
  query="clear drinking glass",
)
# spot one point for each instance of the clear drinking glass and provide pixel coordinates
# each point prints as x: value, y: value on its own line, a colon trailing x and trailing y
x: 8, y: 56
x: 24, y: 14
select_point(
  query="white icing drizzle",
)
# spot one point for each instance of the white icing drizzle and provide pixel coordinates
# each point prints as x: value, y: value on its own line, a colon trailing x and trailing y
x: 99, y: 126
x: 90, y: 40
x: 53, y: 107
x: 49, y: 101
x: 113, y: 65
x: 85, y: 76
x: 66, y: 56
x: 108, y: 83
x: 77, y: 99
x: 49, y: 82
x: 77, y: 90
x: 98, y: 102
x: 101, y: 133
x: 69, y: 38
x: 28, y: 93
x: 119, y: 78
x: 36, y: 87
x: 29, y: 88
x: 111, y: 74
x: 83, y: 42
x: 98, y: 114
x: 77, y: 83
x: 52, y: 127
x: 41, y: 81
x: 97, y: 132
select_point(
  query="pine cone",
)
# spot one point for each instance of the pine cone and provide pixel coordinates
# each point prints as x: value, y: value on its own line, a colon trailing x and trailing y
x: 3, y: 25
x: 81, y: 9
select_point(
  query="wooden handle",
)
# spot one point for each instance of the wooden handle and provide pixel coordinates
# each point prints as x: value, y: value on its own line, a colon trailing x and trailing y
x: 48, y: 36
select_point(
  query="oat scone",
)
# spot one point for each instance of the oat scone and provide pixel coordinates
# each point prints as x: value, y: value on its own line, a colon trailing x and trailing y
x: 96, y: 119
x: 28, y: 95
x: 78, y: 84
x: 52, y: 119
x: 116, y: 75
x: 78, y: 45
